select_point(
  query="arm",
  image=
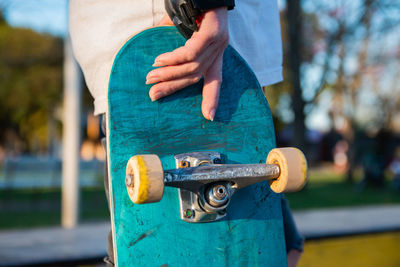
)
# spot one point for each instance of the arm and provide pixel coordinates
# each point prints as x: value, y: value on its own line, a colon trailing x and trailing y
x: 293, y: 238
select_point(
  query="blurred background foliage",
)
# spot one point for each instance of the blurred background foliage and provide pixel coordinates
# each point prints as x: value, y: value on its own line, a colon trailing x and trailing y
x: 339, y: 102
x: 342, y: 57
x: 31, y: 82
x: 341, y: 68
x: 30, y: 88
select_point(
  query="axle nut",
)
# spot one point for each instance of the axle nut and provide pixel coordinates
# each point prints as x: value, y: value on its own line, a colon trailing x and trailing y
x: 217, y: 195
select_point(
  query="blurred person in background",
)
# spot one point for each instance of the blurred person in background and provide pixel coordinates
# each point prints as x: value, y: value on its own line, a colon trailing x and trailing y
x: 395, y: 168
x: 99, y: 28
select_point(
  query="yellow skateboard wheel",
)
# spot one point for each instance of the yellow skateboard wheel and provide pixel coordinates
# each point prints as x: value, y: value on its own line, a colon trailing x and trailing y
x: 293, y: 169
x: 145, y: 179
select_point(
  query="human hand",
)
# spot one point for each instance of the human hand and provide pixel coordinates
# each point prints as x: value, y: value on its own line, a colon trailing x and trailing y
x: 200, y: 56
x: 293, y: 257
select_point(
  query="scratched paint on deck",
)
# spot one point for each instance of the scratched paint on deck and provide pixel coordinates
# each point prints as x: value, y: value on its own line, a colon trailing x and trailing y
x: 153, y: 234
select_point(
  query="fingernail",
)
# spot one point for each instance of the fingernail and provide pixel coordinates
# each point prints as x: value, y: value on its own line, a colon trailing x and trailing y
x: 151, y: 74
x: 211, y: 114
x: 151, y: 77
x: 155, y: 96
x: 151, y: 80
x: 157, y: 63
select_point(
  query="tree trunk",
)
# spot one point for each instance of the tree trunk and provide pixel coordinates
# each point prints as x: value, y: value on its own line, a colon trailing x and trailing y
x: 294, y: 19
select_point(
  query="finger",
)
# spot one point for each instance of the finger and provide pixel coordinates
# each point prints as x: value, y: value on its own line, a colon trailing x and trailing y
x: 189, y: 52
x: 172, y: 72
x: 169, y: 73
x: 211, y: 89
x: 166, y: 88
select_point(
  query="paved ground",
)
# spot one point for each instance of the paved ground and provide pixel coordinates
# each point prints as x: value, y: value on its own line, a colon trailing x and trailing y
x: 88, y: 240
x: 345, y: 221
x: 46, y: 245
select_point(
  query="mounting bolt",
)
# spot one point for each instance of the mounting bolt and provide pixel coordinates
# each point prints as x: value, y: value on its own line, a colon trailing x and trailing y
x: 189, y: 213
x: 184, y: 164
x: 217, y: 161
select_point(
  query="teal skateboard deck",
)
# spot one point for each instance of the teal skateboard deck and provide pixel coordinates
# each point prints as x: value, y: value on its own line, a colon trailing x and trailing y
x: 251, y: 234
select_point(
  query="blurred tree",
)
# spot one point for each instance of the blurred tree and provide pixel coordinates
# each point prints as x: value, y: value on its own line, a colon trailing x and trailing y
x: 348, y: 51
x: 353, y: 68
x: 300, y: 30
x: 294, y: 34
x: 30, y: 87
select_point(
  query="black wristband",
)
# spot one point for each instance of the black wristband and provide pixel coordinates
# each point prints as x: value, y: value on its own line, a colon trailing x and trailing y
x: 186, y: 13
x: 211, y: 4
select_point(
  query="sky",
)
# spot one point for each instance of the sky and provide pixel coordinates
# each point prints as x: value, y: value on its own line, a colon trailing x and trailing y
x: 46, y: 16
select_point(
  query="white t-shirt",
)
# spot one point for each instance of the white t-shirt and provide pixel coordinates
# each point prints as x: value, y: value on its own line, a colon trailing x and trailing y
x: 99, y: 28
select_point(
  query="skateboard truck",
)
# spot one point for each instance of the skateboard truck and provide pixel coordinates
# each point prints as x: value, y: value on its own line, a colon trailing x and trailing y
x: 206, y: 185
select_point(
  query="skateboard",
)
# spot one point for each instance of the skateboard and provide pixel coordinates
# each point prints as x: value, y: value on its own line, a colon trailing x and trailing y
x: 186, y: 191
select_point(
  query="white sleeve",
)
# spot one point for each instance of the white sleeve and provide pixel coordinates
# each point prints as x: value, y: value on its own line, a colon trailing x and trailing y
x: 254, y: 31
x: 99, y: 28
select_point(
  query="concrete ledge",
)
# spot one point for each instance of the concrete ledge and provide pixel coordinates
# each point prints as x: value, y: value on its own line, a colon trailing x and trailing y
x: 325, y: 223
x: 51, y: 245
x: 89, y: 241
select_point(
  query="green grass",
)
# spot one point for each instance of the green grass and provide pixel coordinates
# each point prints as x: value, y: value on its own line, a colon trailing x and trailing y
x: 33, y: 207
x: 326, y: 189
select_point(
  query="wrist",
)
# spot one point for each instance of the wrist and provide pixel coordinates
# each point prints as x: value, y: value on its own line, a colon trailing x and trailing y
x: 212, y: 4
x: 187, y: 14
